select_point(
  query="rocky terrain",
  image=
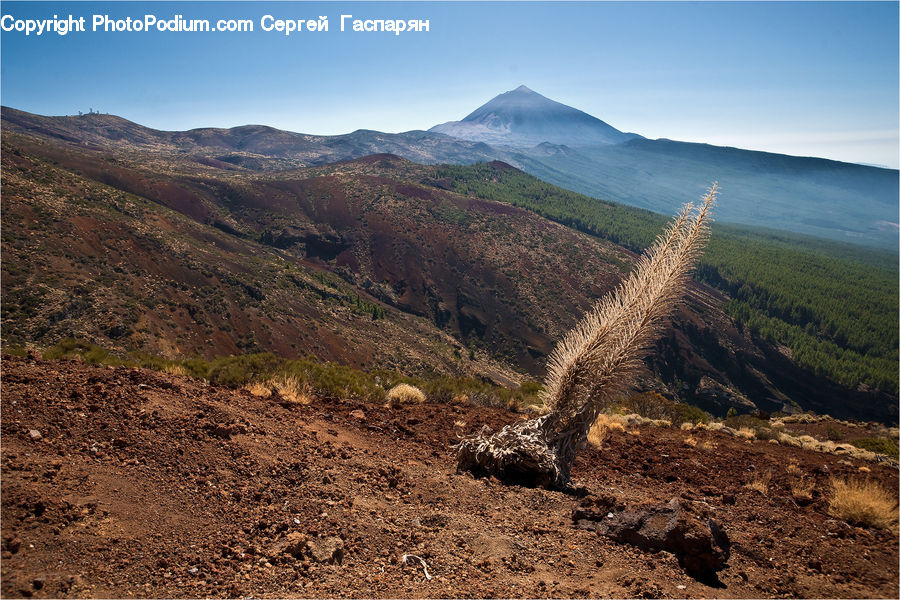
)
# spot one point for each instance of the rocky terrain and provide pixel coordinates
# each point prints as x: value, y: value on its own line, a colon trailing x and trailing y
x: 120, y: 482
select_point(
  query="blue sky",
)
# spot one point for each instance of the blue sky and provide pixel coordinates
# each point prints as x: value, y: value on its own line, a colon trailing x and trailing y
x: 809, y: 78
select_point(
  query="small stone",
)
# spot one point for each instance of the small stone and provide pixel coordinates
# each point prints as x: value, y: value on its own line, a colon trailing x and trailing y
x: 293, y: 544
x: 329, y: 550
x: 358, y: 414
x: 193, y: 570
x: 13, y: 545
x: 38, y: 582
x: 34, y: 434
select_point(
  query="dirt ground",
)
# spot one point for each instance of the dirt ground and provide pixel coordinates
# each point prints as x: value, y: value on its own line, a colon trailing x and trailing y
x: 122, y: 482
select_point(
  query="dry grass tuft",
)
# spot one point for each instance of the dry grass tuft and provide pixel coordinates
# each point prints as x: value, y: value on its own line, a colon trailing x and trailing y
x: 746, y: 433
x: 292, y: 389
x: 687, y: 426
x: 802, y: 489
x: 258, y: 389
x: 794, y: 469
x: 863, y: 502
x: 460, y: 400
x: 706, y: 445
x: 175, y: 370
x: 403, y: 393
x: 760, y: 483
x: 601, y: 427
x: 690, y: 441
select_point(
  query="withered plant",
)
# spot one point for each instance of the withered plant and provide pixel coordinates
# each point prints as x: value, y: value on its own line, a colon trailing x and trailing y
x: 595, y: 362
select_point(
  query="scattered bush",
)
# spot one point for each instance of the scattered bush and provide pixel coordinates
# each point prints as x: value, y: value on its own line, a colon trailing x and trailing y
x: 404, y: 393
x: 652, y: 405
x: 833, y: 433
x: 879, y: 445
x: 84, y: 350
x: 258, y: 389
x: 235, y: 371
x: 863, y: 502
x: 802, y: 489
x: 760, y: 483
x: 176, y: 369
x: 13, y: 350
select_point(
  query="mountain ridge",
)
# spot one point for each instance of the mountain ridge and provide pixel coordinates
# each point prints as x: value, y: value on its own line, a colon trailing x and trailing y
x: 812, y: 196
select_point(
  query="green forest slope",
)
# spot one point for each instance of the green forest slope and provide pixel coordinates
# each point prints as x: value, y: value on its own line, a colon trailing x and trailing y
x: 832, y: 306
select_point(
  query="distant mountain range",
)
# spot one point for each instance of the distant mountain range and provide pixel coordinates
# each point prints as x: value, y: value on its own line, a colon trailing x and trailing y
x: 574, y: 150
x: 561, y: 145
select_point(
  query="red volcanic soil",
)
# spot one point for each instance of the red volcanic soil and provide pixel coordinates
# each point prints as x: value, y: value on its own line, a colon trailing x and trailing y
x: 121, y: 482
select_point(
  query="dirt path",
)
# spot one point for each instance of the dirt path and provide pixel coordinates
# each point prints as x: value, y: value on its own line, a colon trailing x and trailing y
x: 143, y: 484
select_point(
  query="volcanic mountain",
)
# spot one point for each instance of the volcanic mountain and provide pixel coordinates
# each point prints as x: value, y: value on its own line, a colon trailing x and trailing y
x: 523, y: 118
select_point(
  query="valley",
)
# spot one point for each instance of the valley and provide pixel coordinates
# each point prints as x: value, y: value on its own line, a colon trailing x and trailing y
x: 381, y: 261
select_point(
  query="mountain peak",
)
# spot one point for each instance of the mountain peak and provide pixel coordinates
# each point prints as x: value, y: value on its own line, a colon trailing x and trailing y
x: 523, y: 118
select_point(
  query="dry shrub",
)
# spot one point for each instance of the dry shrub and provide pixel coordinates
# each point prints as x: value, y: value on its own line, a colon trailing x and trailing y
x: 690, y: 441
x: 746, y: 433
x: 863, y: 502
x: 808, y: 442
x: 292, y: 389
x: 864, y: 454
x: 706, y: 445
x: 843, y: 449
x: 459, y: 399
x: 794, y: 469
x: 687, y: 426
x: 802, y: 489
x: 175, y: 370
x: 760, y: 483
x: 258, y: 389
x: 601, y: 428
x: 790, y: 440
x: 403, y: 393
x: 596, y: 362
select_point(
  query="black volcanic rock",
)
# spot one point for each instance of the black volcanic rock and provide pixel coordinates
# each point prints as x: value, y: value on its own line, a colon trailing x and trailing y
x: 523, y: 118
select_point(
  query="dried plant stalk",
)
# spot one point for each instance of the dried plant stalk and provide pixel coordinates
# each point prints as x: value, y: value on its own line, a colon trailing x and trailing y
x: 595, y: 362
